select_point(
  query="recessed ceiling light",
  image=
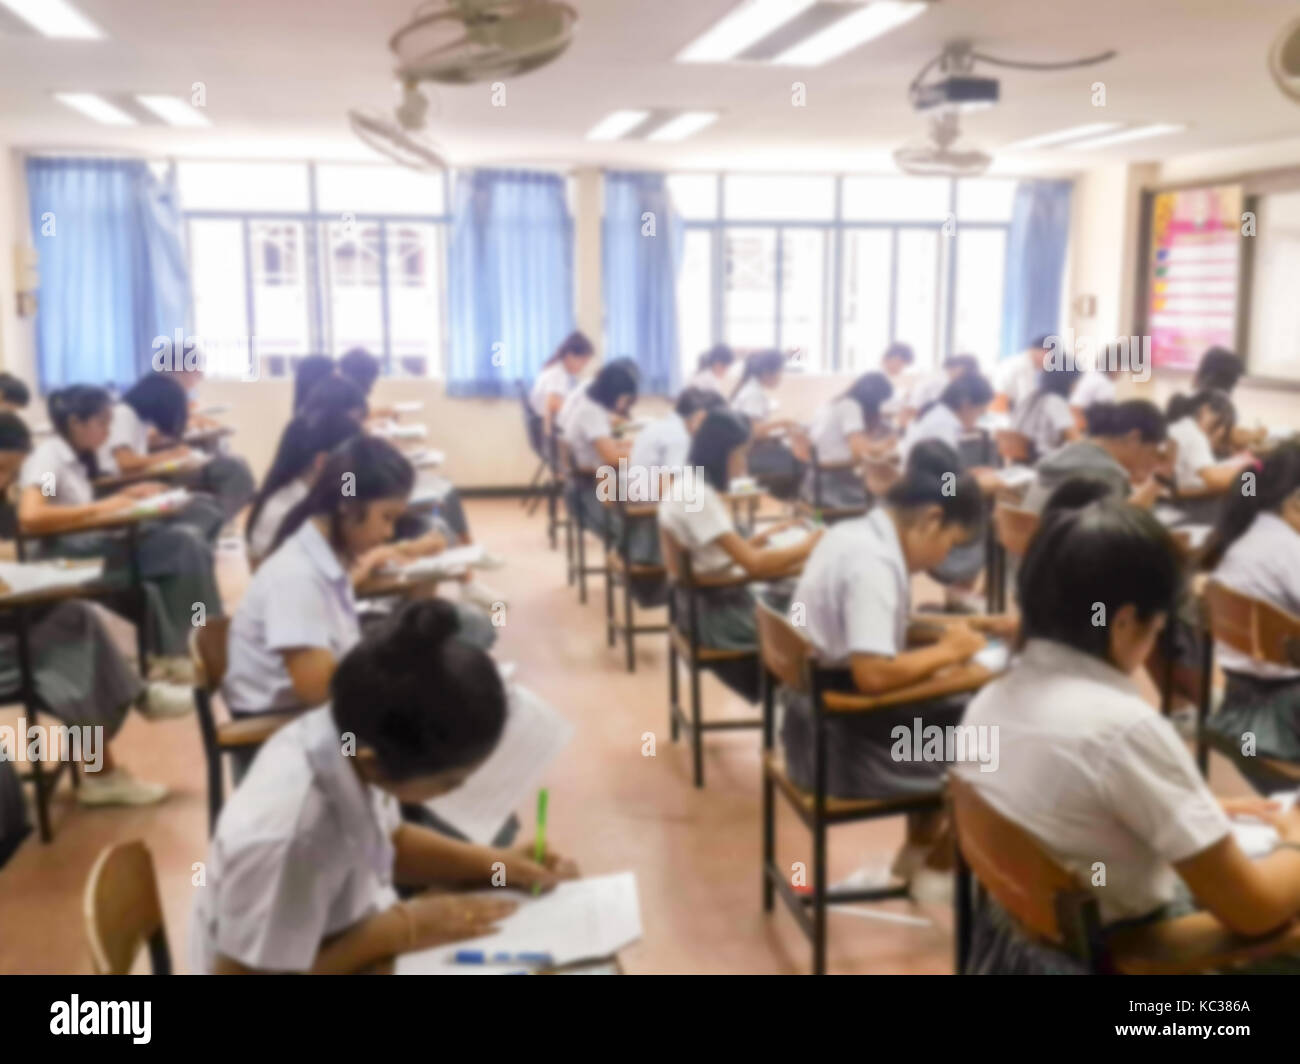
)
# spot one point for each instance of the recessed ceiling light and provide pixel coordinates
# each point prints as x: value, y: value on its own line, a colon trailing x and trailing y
x: 54, y: 18
x: 1044, y: 140
x: 739, y: 28
x: 862, y: 25
x: 616, y: 124
x: 173, y: 110
x: 1156, y: 129
x: 684, y: 125
x: 95, y: 107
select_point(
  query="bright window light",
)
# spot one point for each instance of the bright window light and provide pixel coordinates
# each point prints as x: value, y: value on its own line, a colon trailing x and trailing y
x: 1047, y: 140
x: 95, y: 107
x: 684, y: 125
x: 616, y: 124
x: 174, y: 111
x: 866, y: 24
x: 741, y: 27
x: 54, y: 18
x: 1156, y: 129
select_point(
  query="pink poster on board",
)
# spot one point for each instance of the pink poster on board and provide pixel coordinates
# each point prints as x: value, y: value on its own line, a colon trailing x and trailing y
x: 1193, y: 273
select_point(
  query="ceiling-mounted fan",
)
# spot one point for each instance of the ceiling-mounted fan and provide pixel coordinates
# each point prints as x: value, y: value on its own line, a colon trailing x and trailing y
x: 1284, y: 60
x: 459, y: 42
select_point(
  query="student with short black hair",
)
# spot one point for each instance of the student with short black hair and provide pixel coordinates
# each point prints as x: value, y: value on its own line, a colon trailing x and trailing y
x: 14, y: 394
x: 848, y: 429
x: 1122, y: 446
x: 1124, y: 791
x: 666, y: 441
x: 309, y: 847
x: 175, y: 556
x: 713, y: 369
x: 1045, y: 418
x: 698, y: 518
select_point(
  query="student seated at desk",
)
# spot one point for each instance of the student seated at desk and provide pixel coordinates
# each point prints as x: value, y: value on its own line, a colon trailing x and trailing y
x: 558, y: 377
x: 78, y: 672
x: 771, y: 461
x: 308, y: 848
x: 1045, y: 417
x: 1092, y: 770
x: 713, y: 369
x: 1122, y: 446
x: 157, y: 404
x: 307, y: 373
x: 853, y: 603
x: 335, y: 395
x: 1255, y: 551
x: 848, y: 429
x: 700, y: 521
x: 896, y: 364
x: 1096, y: 385
x: 666, y: 442
x: 175, y: 556
x: 929, y: 389
x: 1201, y: 426
x: 589, y: 434
x: 1220, y: 370
x: 1016, y: 378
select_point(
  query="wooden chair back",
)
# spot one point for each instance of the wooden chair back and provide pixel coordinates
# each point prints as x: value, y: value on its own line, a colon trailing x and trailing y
x: 1014, y: 528
x: 122, y: 911
x: 1253, y: 627
x: 782, y: 649
x: 1015, y: 448
x: 1015, y: 870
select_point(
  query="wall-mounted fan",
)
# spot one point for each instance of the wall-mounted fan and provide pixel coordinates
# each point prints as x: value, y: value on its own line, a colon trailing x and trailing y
x: 1284, y: 60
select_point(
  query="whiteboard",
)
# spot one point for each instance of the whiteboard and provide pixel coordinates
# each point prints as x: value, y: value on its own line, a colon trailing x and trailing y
x: 1274, y: 339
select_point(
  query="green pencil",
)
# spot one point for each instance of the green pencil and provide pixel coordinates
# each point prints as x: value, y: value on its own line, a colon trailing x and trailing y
x: 539, y: 843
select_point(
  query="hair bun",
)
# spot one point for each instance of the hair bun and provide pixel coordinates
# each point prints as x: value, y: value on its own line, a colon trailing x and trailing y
x: 425, y: 624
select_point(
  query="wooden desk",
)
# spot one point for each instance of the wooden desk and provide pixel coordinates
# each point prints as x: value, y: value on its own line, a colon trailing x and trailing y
x: 204, y: 439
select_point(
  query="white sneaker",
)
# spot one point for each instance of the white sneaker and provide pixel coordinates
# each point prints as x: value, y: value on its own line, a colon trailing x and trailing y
x: 162, y: 700
x: 477, y: 594
x: 118, y: 787
x: 931, y: 885
x: 488, y: 560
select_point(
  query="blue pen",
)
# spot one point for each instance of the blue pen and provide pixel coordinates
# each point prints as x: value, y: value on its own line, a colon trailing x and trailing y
x: 477, y: 956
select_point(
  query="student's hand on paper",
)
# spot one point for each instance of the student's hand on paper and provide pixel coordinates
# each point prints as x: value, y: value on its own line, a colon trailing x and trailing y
x: 1286, y: 822
x: 374, y: 560
x: 439, y: 918
x: 1252, y: 806
x: 962, y: 641
x: 144, y: 490
x: 551, y: 871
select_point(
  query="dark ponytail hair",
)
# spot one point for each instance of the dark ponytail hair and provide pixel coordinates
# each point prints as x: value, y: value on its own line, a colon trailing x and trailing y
x: 717, y: 355
x: 759, y: 364
x: 421, y: 699
x: 1181, y: 406
x: 335, y: 395
x: 1220, y: 370
x: 1277, y: 478
x: 81, y: 401
x: 361, y: 368
x: 159, y: 400
x: 1058, y: 586
x: 972, y: 388
x: 720, y: 433
x: 870, y: 392
x: 15, y: 437
x: 576, y: 343
x: 308, y: 373
x: 933, y: 477
x: 303, y: 439
x: 1111, y: 420
x: 614, y: 380
x: 380, y: 471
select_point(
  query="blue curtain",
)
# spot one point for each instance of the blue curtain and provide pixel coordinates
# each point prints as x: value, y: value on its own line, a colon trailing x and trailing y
x: 112, y: 265
x: 641, y: 255
x: 511, y: 284
x: 1035, y: 262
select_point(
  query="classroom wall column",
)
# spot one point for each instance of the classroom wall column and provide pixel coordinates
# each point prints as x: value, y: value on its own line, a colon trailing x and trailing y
x: 16, y: 337
x: 588, y: 215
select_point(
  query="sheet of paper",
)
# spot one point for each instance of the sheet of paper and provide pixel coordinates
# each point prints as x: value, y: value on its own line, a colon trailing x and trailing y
x: 1016, y: 476
x: 1169, y: 515
x: 430, y: 490
x: 534, y: 736
x: 742, y: 486
x: 409, y: 407
x: 579, y: 920
x: 163, y: 502
x: 1255, y: 837
x: 788, y: 537
x: 455, y: 560
x: 24, y: 577
x: 1196, y: 535
x: 425, y: 458
x: 995, y: 656
x: 393, y: 431
x: 212, y: 411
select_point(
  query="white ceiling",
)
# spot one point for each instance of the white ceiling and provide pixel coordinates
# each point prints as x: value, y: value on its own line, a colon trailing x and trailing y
x: 279, y: 75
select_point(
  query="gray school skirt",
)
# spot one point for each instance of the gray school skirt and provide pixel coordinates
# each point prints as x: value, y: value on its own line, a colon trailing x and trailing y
x: 227, y: 479
x: 860, y: 762
x: 840, y: 489
x: 1270, y: 710
x: 725, y: 620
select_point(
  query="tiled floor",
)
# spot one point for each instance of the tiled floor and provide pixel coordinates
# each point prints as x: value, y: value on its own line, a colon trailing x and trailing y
x: 695, y: 852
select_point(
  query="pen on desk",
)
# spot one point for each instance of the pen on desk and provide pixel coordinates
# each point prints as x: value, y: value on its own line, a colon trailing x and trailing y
x: 478, y: 956
x: 539, y: 843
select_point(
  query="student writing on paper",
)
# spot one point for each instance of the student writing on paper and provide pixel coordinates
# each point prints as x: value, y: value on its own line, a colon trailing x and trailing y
x: 1220, y: 370
x: 1016, y: 378
x: 701, y: 522
x: 1125, y: 792
x: 157, y: 404
x: 848, y: 429
x: 713, y: 368
x: 665, y: 443
x: 1255, y: 551
x: 558, y: 377
x: 1045, y: 417
x: 175, y: 556
x: 589, y: 434
x: 1200, y: 426
x: 771, y: 462
x: 308, y: 849
x: 79, y: 674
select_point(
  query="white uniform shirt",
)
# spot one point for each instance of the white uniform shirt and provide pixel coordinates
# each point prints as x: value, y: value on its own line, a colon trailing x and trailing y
x: 1195, y: 452
x: 553, y: 380
x: 126, y: 430
x: 753, y: 401
x: 665, y: 442
x: 696, y: 520
x: 709, y: 381
x: 927, y: 390
x: 1092, y: 388
x: 1045, y: 420
x: 303, y: 850
x: 937, y: 423
x: 300, y: 597
x: 834, y: 423
x: 588, y: 422
x: 1016, y: 378
x: 1093, y: 772
x: 261, y: 536
x: 855, y: 591
x: 70, y: 485
x: 1263, y: 563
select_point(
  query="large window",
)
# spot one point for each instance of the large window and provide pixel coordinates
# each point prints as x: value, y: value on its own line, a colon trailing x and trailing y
x: 832, y: 269
x: 293, y: 258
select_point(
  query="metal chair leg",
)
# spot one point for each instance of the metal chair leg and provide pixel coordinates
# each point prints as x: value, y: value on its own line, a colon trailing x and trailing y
x: 697, y: 737
x: 628, y: 635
